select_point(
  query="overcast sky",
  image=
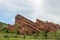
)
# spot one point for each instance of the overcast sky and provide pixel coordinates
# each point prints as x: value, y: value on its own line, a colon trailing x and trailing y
x: 46, y: 10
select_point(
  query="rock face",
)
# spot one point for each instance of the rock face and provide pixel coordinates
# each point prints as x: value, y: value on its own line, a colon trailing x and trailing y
x: 26, y: 26
x: 11, y: 27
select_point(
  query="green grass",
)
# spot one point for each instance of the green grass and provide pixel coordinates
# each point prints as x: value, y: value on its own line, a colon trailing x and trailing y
x: 23, y: 39
x: 13, y: 36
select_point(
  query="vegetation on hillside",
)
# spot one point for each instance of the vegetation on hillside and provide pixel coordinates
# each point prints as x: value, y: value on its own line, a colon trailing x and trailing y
x: 42, y: 35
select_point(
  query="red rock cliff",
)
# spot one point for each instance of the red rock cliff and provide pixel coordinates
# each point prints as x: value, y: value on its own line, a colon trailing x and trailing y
x: 26, y: 26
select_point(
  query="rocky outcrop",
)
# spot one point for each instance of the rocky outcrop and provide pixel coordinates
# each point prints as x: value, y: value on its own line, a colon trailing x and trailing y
x: 11, y: 27
x: 26, y: 26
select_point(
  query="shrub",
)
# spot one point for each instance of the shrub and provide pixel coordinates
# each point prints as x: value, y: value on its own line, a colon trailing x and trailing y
x: 6, y: 36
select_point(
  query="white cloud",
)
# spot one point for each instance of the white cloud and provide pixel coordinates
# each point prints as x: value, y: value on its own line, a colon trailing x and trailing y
x: 44, y: 12
x: 31, y: 9
x: 9, y: 9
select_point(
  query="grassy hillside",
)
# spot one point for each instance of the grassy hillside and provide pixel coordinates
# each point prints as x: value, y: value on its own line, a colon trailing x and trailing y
x: 3, y: 27
x: 42, y: 35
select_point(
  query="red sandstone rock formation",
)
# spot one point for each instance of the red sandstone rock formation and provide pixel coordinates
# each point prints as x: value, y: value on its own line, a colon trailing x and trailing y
x: 11, y: 27
x: 25, y: 26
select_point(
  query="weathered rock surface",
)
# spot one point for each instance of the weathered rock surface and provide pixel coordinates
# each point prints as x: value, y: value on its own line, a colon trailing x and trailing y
x: 26, y: 26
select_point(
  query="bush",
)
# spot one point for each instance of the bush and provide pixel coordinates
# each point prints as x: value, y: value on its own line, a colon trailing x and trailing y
x: 6, y: 36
